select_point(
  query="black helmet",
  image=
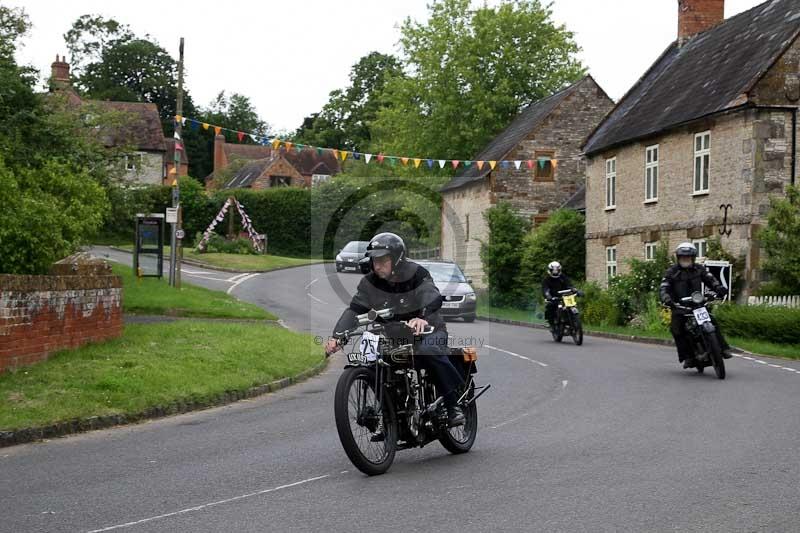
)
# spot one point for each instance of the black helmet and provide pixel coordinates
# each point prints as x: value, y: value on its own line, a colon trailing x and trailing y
x: 387, y: 244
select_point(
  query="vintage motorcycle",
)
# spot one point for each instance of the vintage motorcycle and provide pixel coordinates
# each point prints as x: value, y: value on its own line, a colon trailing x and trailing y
x: 567, y: 320
x: 383, y: 403
x: 707, y: 350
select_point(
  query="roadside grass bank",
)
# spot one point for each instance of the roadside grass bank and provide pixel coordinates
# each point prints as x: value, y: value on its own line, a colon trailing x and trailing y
x: 153, y: 296
x: 756, y: 346
x: 152, y: 365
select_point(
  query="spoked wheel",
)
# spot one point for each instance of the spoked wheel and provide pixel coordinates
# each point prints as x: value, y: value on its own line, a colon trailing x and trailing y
x: 577, y: 330
x: 368, y: 433
x: 715, y: 353
x: 461, y: 438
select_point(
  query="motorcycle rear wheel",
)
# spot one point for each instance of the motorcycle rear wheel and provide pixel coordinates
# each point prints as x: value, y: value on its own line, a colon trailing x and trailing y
x: 358, y: 424
x: 461, y: 438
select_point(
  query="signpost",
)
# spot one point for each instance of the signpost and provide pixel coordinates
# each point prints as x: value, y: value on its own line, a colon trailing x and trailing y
x: 175, y: 251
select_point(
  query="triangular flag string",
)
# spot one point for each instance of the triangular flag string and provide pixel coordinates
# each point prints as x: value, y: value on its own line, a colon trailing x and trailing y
x: 343, y: 155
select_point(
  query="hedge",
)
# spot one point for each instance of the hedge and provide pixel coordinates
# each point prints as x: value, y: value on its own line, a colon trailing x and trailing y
x: 773, y: 324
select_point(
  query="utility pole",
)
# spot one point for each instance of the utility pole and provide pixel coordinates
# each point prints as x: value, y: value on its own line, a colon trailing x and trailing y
x: 176, y: 251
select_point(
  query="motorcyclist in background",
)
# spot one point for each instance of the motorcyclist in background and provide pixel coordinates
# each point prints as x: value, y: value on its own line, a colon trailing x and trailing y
x: 554, y: 282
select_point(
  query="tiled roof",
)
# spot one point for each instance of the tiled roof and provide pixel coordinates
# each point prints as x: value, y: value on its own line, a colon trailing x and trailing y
x: 249, y: 173
x: 577, y: 201
x: 527, y: 121
x: 710, y: 73
x: 304, y: 161
x: 141, y: 125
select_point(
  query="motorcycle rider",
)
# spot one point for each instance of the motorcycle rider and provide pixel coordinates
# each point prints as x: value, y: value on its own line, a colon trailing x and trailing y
x: 555, y: 281
x: 395, y: 282
x: 681, y: 280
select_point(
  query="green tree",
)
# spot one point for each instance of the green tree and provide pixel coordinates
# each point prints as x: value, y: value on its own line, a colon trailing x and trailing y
x: 501, y: 255
x: 345, y: 120
x: 470, y: 72
x: 50, y: 172
x: 781, y: 240
x: 89, y: 37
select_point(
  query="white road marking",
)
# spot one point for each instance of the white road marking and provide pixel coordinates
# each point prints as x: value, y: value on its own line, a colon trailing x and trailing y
x: 773, y: 365
x: 564, y: 384
x: 316, y: 299
x: 516, y: 355
x: 241, y: 280
x: 237, y: 276
x: 312, y: 282
x: 501, y: 424
x: 206, y: 277
x: 206, y: 505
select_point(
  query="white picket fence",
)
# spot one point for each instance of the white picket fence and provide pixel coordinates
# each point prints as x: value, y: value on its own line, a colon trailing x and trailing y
x: 777, y: 301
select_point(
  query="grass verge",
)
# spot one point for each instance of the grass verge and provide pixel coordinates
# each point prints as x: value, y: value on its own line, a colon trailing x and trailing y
x: 243, y: 262
x: 789, y: 351
x: 152, y: 365
x: 153, y: 296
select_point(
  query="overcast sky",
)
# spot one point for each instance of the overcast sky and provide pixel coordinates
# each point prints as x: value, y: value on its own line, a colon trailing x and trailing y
x: 288, y: 55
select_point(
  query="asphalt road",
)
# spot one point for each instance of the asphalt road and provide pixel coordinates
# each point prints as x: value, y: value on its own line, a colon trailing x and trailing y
x: 609, y: 436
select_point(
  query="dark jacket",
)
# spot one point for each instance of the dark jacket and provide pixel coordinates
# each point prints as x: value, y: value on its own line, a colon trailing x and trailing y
x: 411, y: 293
x: 551, y: 285
x: 681, y: 282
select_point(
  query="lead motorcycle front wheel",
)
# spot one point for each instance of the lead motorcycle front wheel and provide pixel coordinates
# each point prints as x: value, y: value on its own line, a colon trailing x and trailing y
x: 367, y: 429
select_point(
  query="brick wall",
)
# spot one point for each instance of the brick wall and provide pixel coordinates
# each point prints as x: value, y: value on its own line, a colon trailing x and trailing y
x: 40, y: 315
x: 281, y: 167
x: 695, y: 16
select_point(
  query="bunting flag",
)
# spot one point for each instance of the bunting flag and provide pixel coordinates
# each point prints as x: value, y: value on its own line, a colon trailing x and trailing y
x: 246, y: 224
x: 342, y: 155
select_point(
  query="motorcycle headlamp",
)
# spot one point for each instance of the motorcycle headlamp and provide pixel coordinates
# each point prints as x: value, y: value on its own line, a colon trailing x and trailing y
x: 698, y: 298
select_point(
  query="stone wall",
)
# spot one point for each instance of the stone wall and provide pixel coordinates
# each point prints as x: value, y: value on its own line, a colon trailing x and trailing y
x: 750, y: 161
x: 470, y: 200
x: 151, y: 169
x: 40, y: 315
x: 563, y: 133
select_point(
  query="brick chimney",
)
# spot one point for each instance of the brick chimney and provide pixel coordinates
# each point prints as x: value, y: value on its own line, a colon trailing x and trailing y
x: 219, y: 153
x: 59, y: 74
x: 696, y: 16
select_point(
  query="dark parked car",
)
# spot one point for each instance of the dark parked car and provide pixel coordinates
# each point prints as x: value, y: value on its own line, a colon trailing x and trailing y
x: 458, y: 296
x: 348, y: 258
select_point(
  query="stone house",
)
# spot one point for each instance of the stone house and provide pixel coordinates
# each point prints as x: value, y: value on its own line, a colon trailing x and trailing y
x: 549, y: 134
x: 699, y: 144
x: 139, y: 130
x: 310, y: 165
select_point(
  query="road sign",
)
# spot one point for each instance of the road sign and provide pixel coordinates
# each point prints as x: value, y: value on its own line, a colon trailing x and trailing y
x: 172, y: 215
x: 180, y: 234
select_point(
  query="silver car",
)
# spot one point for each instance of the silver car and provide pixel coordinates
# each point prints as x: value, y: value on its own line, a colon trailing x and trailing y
x: 458, y: 296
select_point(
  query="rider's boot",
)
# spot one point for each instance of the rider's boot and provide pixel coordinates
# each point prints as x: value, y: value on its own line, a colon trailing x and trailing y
x: 726, y: 353
x: 690, y: 363
x: 455, y: 417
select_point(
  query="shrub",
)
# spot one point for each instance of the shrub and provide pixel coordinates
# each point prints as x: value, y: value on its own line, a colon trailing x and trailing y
x: 219, y: 244
x: 781, y: 240
x: 501, y: 255
x: 773, y: 324
x: 597, y: 306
